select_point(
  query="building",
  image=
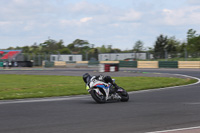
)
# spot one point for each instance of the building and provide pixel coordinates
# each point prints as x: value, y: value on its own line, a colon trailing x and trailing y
x: 70, y: 57
x: 124, y: 56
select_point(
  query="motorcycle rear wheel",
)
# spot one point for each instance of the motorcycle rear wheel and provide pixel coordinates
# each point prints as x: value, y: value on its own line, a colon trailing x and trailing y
x: 98, y: 98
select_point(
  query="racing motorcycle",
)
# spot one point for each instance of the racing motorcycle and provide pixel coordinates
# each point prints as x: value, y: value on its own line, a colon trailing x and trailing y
x: 102, y: 92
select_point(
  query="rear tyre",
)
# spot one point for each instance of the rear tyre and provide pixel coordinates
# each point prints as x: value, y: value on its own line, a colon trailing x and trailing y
x: 98, y: 98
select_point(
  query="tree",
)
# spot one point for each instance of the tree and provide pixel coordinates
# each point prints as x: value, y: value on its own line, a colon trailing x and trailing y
x: 51, y: 46
x: 160, y: 47
x: 193, y: 42
x: 93, y: 54
x: 64, y: 51
x: 34, y: 48
x: 103, y: 49
x: 79, y: 46
x: 10, y: 48
x: 25, y: 49
x: 109, y: 49
x: 116, y: 50
x: 138, y: 47
x: 60, y: 44
x: 172, y: 47
x: 182, y: 49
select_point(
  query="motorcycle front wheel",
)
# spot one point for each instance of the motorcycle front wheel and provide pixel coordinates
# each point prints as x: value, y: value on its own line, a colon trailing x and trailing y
x: 124, y: 96
x: 98, y: 98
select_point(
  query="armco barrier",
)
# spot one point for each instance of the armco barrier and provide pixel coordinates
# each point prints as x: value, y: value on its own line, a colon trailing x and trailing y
x: 82, y: 64
x: 189, y: 64
x: 168, y: 64
x: 70, y: 64
x: 109, y: 62
x: 93, y: 63
x: 60, y: 64
x: 48, y: 64
x: 128, y: 64
x: 147, y: 64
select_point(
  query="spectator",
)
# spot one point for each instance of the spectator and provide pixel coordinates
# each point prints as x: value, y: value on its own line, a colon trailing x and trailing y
x: 4, y: 65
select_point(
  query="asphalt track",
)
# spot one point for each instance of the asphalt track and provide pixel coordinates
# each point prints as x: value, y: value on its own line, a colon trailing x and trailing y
x: 147, y: 111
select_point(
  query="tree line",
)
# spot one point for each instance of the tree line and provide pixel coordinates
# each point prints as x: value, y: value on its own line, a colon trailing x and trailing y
x: 173, y: 47
x: 163, y: 45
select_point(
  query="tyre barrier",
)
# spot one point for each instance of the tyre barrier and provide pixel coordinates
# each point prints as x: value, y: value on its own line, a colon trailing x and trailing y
x: 108, y: 67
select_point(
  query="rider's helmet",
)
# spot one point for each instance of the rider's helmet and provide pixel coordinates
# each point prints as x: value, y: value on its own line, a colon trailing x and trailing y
x: 86, y: 77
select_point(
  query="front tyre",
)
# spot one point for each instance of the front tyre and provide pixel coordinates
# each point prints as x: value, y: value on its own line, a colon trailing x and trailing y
x: 124, y: 96
x: 98, y: 98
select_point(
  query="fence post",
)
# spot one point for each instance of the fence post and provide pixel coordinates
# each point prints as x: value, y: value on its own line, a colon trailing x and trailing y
x: 185, y: 54
x: 33, y: 59
x: 166, y: 55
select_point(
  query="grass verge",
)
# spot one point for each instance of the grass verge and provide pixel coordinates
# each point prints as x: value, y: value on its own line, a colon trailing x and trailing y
x: 32, y: 86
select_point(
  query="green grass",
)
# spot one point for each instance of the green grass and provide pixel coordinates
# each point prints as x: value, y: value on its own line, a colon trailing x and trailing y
x: 32, y: 86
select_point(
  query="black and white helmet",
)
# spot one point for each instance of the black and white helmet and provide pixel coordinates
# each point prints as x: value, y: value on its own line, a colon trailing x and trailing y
x: 86, y: 77
x: 101, y: 77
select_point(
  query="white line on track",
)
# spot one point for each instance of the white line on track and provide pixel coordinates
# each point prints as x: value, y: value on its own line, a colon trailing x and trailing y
x: 43, y: 99
x: 87, y: 96
x: 157, y: 89
x: 181, y: 129
x: 174, y: 130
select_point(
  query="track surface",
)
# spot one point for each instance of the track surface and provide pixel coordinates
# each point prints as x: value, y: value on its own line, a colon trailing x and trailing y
x: 146, y: 111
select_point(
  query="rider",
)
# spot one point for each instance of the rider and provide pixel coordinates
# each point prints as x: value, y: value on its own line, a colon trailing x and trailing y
x: 107, y: 79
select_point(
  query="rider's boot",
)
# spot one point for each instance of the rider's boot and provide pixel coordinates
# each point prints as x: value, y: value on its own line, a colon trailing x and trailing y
x: 116, y: 87
x: 119, y: 89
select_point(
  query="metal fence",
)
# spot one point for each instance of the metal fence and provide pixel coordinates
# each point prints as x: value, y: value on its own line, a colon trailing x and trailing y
x: 176, y: 56
x: 37, y: 59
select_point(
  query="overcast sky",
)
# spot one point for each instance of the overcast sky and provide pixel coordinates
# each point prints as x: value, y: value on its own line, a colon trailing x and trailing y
x: 119, y: 23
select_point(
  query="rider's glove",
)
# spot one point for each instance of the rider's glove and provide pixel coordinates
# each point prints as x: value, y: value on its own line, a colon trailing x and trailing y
x: 100, y: 77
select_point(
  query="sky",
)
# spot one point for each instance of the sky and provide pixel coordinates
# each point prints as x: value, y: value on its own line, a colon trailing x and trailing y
x: 119, y: 23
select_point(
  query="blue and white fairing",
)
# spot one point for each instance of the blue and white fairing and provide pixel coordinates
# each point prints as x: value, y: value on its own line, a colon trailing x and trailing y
x: 96, y: 84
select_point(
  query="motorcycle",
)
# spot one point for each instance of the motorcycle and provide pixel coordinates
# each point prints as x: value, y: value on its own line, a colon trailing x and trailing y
x: 102, y: 92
